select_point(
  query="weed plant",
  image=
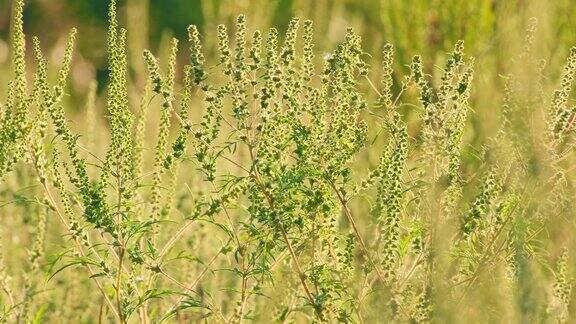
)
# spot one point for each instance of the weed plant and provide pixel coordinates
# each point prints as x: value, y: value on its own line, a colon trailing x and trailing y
x: 266, y: 182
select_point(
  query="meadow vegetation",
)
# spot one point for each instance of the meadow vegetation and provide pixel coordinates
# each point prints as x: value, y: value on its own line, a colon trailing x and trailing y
x: 266, y: 179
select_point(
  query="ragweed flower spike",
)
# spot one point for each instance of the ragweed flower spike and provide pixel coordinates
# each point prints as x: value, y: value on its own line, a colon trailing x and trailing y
x: 224, y: 49
x: 196, y: 56
x: 387, y: 70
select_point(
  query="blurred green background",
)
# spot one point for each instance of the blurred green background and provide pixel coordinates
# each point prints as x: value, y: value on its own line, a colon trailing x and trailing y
x: 493, y: 31
x: 426, y: 27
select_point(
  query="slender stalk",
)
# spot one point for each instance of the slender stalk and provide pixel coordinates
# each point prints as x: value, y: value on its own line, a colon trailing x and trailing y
x: 352, y: 222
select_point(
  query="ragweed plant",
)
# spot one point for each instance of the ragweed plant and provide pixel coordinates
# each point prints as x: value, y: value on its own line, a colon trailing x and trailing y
x: 262, y: 182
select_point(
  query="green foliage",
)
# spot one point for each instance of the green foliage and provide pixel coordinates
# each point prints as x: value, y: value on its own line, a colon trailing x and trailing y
x: 265, y: 181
